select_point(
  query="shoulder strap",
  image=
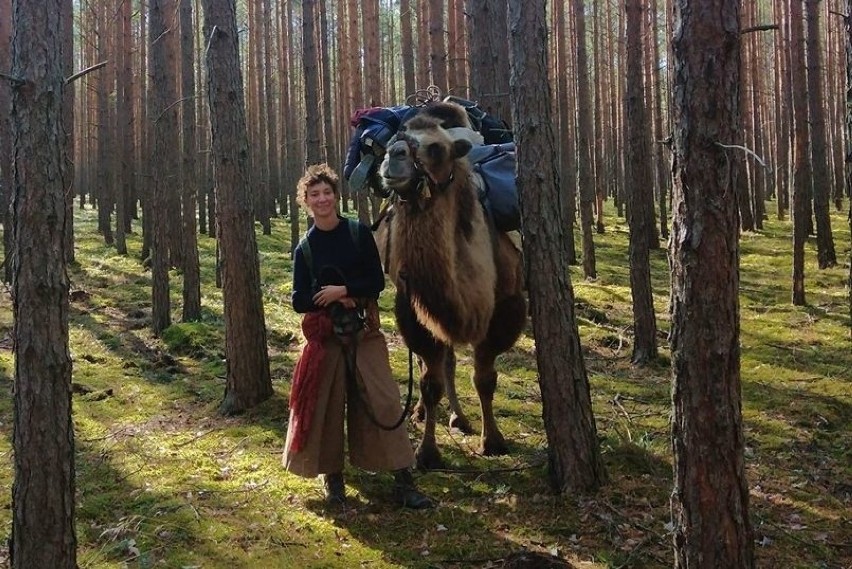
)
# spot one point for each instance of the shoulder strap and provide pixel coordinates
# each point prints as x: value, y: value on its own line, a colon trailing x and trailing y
x: 305, y: 246
x: 353, y: 231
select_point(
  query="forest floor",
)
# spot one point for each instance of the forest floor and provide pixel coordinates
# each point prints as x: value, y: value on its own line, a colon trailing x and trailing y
x: 164, y: 481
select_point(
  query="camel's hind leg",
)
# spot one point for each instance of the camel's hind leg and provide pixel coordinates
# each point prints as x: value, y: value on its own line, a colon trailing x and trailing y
x: 492, y: 442
x: 505, y: 327
x: 458, y: 420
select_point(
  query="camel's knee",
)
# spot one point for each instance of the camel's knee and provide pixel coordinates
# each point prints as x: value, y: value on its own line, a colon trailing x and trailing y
x: 431, y: 390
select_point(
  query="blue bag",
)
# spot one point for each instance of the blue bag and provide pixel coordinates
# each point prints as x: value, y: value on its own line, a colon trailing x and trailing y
x: 496, y: 163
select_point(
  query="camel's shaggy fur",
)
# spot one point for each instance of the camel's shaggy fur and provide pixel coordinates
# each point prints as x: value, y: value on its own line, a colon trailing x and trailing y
x: 458, y: 280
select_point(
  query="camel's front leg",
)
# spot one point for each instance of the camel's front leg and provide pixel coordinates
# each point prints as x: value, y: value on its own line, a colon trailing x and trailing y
x: 433, y: 355
x: 431, y: 389
x: 485, y: 380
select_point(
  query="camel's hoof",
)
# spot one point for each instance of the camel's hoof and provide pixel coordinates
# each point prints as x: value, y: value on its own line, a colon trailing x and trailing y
x: 494, y: 446
x: 428, y: 458
x: 461, y: 423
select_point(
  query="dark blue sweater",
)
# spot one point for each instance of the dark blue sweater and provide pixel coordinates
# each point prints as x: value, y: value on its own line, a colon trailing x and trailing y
x: 359, y: 268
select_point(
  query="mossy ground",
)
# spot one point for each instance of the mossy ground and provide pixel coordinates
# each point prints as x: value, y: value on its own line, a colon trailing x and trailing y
x: 164, y: 481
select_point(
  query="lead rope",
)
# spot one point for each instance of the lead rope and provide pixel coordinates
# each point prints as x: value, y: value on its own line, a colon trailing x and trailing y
x: 352, y: 375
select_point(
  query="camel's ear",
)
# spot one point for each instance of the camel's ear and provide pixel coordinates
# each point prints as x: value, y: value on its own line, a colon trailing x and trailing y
x: 461, y: 147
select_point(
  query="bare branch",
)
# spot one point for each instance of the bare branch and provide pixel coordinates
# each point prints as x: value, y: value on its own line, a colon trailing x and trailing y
x: 85, y: 71
x: 212, y: 33
x: 759, y: 28
x: 747, y: 151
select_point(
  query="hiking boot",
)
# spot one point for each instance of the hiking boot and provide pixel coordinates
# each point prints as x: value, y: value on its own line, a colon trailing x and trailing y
x: 334, y: 489
x: 406, y: 493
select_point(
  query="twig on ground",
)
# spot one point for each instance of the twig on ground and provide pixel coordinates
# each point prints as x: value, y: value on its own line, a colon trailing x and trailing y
x: 195, y: 438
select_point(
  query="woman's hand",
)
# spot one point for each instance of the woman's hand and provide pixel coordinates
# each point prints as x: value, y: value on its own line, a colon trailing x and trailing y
x: 329, y: 294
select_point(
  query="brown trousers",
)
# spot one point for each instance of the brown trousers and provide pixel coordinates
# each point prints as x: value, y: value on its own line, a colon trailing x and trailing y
x: 370, y: 447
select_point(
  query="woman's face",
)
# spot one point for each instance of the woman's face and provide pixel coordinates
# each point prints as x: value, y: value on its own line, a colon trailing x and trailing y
x: 321, y: 200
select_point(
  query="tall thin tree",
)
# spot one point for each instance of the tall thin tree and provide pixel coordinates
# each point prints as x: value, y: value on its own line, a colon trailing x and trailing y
x: 801, y: 152
x: 574, y: 460
x: 710, y: 498
x: 163, y: 166
x: 43, y: 501
x: 188, y: 179
x: 6, y: 138
x: 640, y: 193
x: 820, y: 186
x: 585, y: 183
x: 248, y: 379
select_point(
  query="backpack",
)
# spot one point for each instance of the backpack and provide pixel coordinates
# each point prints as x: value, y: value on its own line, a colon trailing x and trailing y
x: 305, y: 246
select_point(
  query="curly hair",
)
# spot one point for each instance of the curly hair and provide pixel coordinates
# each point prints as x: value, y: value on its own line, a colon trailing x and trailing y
x: 316, y: 174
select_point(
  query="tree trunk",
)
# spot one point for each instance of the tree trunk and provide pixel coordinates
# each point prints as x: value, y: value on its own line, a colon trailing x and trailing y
x: 567, y: 161
x: 819, y: 156
x: 710, y: 498
x: 406, y: 46
x: 123, y: 121
x: 310, y: 64
x: 640, y: 193
x: 574, y: 460
x: 662, y: 153
x: 43, y: 500
x: 489, y: 56
x: 783, y: 105
x: 6, y: 139
x: 848, y: 25
x: 163, y: 164
x: 437, y: 49
x: 248, y: 379
x: 801, y: 153
x: 189, y: 181
x: 586, y: 187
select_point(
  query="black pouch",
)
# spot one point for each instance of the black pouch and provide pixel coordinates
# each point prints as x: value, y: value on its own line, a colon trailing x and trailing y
x: 346, y: 321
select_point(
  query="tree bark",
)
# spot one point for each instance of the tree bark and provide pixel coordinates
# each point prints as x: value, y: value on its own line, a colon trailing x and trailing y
x: 43, y: 501
x: 489, y: 56
x: 6, y: 138
x: 574, y: 460
x: 567, y: 160
x: 801, y: 153
x: 710, y: 498
x: 820, y: 184
x: 310, y: 64
x: 189, y: 181
x: 848, y: 178
x: 586, y: 186
x: 639, y: 188
x: 163, y: 166
x: 437, y: 45
x: 406, y: 46
x: 248, y: 379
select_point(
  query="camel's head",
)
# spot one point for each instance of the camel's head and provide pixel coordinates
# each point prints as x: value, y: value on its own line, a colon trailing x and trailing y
x: 424, y: 157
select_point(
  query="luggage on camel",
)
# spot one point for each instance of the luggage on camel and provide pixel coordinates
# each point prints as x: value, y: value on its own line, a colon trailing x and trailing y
x: 494, y: 161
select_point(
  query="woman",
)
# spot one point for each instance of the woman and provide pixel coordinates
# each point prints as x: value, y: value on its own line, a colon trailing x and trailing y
x: 342, y: 376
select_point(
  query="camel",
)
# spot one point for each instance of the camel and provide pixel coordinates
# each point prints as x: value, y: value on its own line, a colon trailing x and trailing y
x: 458, y: 280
